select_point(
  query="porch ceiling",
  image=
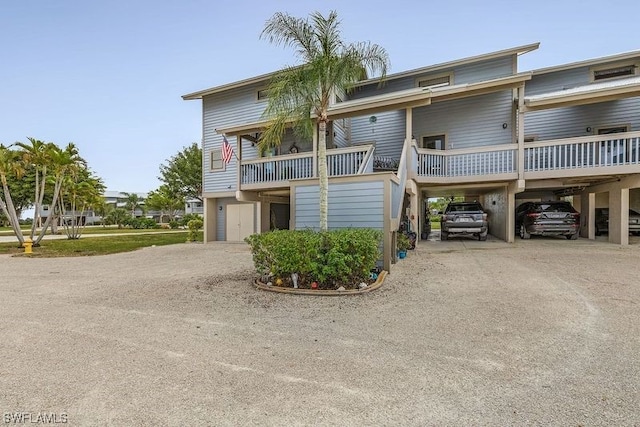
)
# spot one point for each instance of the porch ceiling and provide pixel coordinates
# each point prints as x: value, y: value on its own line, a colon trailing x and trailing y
x: 588, y: 94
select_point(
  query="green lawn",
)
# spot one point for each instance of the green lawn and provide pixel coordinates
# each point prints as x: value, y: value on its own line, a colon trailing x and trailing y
x: 98, y: 229
x: 98, y: 245
x: 435, y: 225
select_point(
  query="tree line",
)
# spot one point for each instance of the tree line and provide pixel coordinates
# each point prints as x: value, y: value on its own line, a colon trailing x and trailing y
x: 39, y: 174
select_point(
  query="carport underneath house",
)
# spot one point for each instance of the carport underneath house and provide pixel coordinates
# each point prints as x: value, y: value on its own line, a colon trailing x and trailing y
x: 500, y: 200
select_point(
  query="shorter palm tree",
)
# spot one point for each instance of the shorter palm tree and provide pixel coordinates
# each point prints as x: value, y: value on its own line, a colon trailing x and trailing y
x: 301, y: 95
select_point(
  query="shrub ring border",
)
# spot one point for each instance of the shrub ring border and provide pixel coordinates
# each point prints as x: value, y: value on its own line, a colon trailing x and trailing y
x: 323, y: 292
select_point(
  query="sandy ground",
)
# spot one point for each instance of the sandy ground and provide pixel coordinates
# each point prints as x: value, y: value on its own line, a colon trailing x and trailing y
x: 540, y: 332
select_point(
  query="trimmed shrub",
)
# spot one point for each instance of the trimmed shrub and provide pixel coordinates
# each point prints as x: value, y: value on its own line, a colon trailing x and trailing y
x: 140, y: 223
x: 174, y: 224
x: 194, y: 225
x: 336, y: 258
x: 184, y: 221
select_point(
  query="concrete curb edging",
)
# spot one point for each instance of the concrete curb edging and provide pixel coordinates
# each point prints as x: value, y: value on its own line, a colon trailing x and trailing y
x: 323, y: 292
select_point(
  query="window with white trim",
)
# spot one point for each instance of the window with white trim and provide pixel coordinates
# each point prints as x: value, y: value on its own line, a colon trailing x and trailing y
x: 433, y: 142
x: 215, y: 160
x: 435, y: 81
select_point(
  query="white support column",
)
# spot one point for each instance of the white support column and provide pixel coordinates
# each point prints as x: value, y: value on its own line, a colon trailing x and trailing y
x: 520, y: 125
x: 510, y: 212
x: 619, y: 216
x: 591, y: 215
x: 238, y: 168
x: 409, y: 124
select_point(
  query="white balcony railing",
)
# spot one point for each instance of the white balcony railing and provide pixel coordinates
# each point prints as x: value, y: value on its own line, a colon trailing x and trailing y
x: 279, y: 169
x: 349, y: 161
x: 493, y: 160
x: 584, y: 152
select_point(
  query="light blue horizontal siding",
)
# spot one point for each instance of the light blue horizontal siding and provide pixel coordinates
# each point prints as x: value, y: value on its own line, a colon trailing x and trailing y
x: 561, y: 80
x: 467, y: 73
x: 223, y: 110
x: 357, y: 205
x: 387, y: 133
x: 468, y: 122
x: 571, y: 122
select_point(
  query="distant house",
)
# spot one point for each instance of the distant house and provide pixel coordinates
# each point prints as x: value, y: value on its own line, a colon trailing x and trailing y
x: 116, y: 199
x: 475, y: 127
x: 194, y: 206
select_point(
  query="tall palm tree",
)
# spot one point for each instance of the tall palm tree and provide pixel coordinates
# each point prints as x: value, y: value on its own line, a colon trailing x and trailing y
x: 62, y: 162
x: 301, y: 95
x: 35, y: 155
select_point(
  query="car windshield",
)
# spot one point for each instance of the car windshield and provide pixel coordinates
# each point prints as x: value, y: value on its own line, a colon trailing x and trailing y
x: 467, y: 207
x: 553, y: 207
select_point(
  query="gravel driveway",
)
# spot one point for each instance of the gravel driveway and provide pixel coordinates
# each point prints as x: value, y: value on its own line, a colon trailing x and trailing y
x: 540, y: 332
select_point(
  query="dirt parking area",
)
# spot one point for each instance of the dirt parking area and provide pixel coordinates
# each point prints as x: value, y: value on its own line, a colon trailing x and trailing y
x: 539, y: 332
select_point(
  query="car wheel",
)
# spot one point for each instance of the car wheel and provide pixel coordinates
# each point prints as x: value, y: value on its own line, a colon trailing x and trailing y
x: 523, y: 232
x: 444, y: 235
x: 573, y: 236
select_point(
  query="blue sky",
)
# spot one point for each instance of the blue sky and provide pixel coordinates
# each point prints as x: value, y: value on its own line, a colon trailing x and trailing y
x: 108, y: 75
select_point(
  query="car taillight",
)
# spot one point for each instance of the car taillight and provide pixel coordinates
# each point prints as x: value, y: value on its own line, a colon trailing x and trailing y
x: 533, y: 215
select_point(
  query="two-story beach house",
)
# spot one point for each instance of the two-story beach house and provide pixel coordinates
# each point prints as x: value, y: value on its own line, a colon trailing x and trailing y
x: 474, y: 127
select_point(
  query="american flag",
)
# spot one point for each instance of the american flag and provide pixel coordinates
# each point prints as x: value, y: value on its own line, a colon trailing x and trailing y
x: 227, y: 150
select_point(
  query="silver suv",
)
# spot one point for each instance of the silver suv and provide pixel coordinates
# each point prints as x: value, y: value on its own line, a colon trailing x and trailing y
x: 464, y: 218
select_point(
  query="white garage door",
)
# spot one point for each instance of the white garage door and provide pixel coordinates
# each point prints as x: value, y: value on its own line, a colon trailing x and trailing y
x: 239, y: 222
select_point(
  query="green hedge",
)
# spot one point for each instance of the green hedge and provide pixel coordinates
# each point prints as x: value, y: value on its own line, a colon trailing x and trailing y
x: 335, y: 258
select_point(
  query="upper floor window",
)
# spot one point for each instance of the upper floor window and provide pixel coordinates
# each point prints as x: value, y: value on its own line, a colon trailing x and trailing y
x: 612, y: 72
x: 262, y: 94
x: 215, y: 160
x: 435, y: 81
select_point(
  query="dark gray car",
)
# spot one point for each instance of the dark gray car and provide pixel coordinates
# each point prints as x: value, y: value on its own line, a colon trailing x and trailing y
x: 464, y: 219
x: 553, y: 218
x: 602, y: 221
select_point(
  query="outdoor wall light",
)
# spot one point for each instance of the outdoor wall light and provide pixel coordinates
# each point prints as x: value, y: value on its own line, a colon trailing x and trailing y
x: 589, y: 129
x: 505, y: 125
x: 219, y: 208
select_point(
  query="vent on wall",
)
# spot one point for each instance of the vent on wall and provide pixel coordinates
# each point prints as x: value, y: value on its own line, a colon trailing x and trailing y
x: 435, y: 81
x: 610, y: 73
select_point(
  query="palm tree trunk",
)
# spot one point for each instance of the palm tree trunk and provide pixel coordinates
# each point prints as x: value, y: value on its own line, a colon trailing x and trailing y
x: 56, y: 193
x: 10, y: 211
x: 322, y: 175
x: 36, y: 208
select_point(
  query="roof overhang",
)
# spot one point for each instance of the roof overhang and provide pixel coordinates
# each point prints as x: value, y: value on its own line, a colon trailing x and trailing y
x: 582, y: 95
x: 253, y: 80
x: 589, y: 62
